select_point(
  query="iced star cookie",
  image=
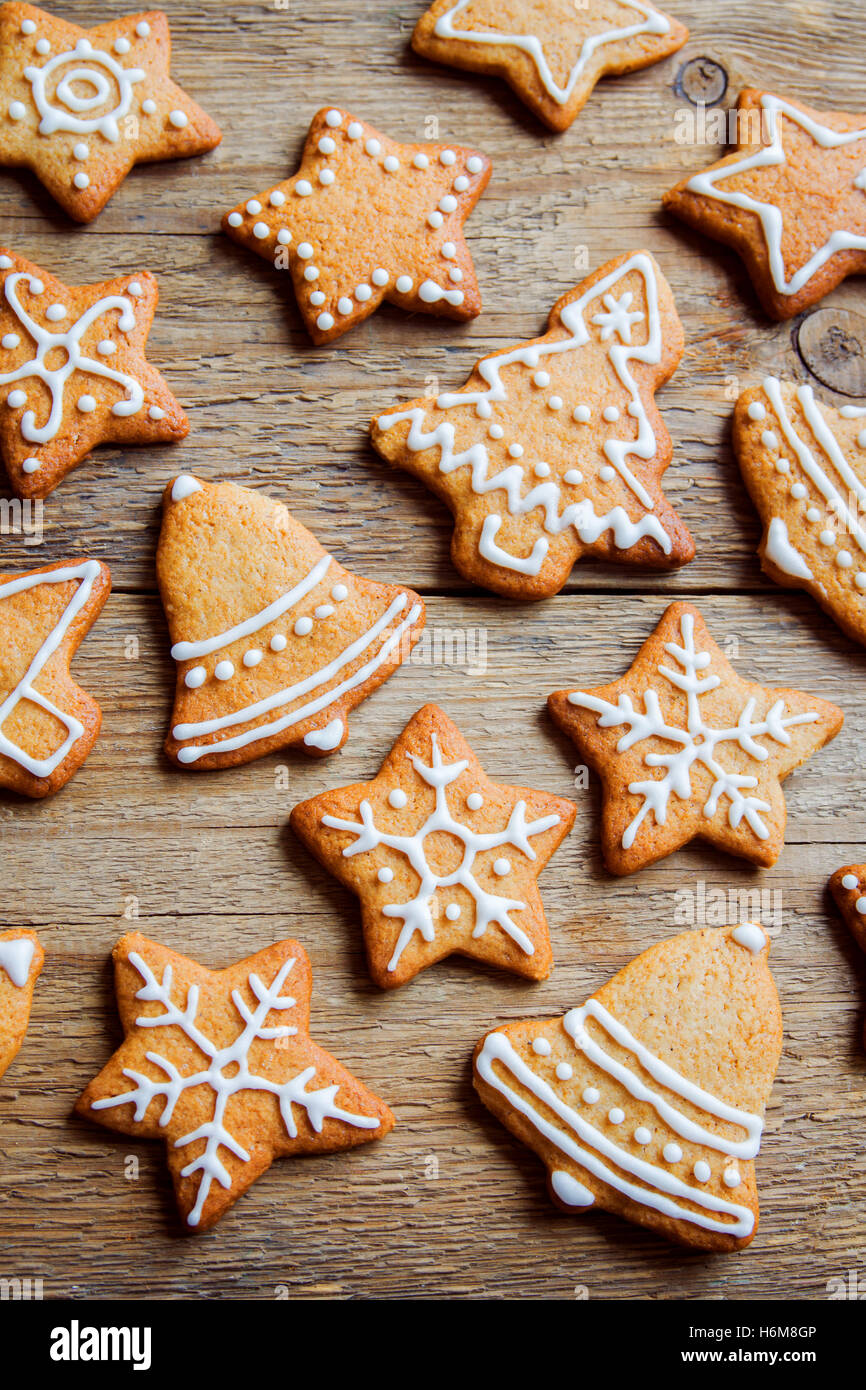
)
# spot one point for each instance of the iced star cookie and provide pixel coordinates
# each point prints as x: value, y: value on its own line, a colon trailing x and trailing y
x: 275, y: 642
x: 80, y: 107
x: 791, y: 199
x: 48, y: 724
x: 648, y: 1100
x: 804, y: 464
x: 687, y: 749
x: 550, y: 52
x: 848, y: 887
x: 219, y: 1064
x: 366, y: 219
x: 73, y: 372
x: 21, y: 958
x: 555, y: 449
x: 443, y: 859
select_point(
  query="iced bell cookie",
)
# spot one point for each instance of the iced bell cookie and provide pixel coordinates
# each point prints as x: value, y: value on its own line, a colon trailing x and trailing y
x: 687, y: 749
x: 648, y: 1101
x: 550, y: 52
x: 443, y: 859
x: 848, y: 887
x: 555, y: 449
x: 73, y: 373
x: 804, y: 464
x: 791, y: 199
x: 21, y: 959
x: 80, y: 106
x: 275, y: 642
x: 366, y: 219
x: 48, y: 724
x: 219, y: 1064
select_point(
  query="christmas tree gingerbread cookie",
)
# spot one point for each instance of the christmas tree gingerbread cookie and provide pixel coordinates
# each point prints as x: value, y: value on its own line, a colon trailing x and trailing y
x: 443, y: 859
x: 791, y: 199
x: 648, y: 1100
x: 21, y: 958
x: 687, y: 749
x: 366, y: 219
x: 48, y: 724
x: 555, y: 449
x: 219, y: 1064
x: 275, y: 642
x: 74, y: 374
x: 550, y: 52
x: 804, y: 464
x: 80, y: 107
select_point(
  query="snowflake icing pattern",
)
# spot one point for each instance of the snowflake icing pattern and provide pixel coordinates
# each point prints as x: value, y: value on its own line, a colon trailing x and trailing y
x: 698, y: 741
x: 416, y: 914
x: 319, y: 1105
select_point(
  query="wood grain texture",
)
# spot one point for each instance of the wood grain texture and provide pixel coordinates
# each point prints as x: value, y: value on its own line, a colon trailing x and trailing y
x: 447, y: 1204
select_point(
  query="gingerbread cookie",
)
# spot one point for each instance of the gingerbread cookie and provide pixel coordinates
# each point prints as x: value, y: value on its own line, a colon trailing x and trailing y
x: 687, y: 749
x: 443, y: 859
x: 80, y: 107
x: 275, y: 642
x: 550, y: 52
x: 848, y: 887
x: 791, y: 199
x: 554, y: 449
x: 21, y: 958
x: 74, y: 372
x: 804, y: 464
x: 366, y: 219
x: 220, y: 1065
x: 648, y: 1100
x: 48, y: 724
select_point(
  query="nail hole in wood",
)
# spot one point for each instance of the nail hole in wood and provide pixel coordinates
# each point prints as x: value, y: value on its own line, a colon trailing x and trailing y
x: 831, y: 344
x: 702, y: 81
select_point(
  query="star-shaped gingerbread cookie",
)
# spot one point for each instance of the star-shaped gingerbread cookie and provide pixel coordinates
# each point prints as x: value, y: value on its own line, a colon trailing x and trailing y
x: 366, y: 219
x: 555, y: 449
x: 73, y: 373
x: 791, y: 199
x: 687, y: 749
x: 21, y: 958
x: 219, y: 1064
x: 443, y: 859
x: 80, y: 107
x: 550, y: 52
x: 848, y: 886
x: 48, y: 724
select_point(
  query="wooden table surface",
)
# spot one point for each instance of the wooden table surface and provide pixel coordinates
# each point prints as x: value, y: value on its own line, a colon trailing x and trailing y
x: 448, y: 1204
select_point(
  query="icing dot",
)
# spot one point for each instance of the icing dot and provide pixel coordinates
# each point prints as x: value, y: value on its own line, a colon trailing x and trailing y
x: 235, y: 219
x: 324, y: 322
x: 448, y: 203
x: 344, y: 305
x: 702, y: 1171
x: 452, y: 912
x: 339, y: 592
x: 844, y: 559
x: 850, y: 881
x: 606, y: 473
x: 642, y: 1135
x: 672, y: 1153
x: 55, y: 312
x: 769, y: 440
x: 610, y: 413
x: 573, y: 476
x: 435, y: 219
x: 421, y: 161
x: 363, y: 293
x: 564, y: 1072
x: 591, y: 1095
x: 224, y: 670
x: 30, y: 465
x: 475, y: 801
x: 827, y: 537
x: 379, y: 277
x: 260, y: 230
x: 813, y: 514
x: 81, y: 151
x: 28, y: 26
x: 404, y: 284
x: 81, y: 180
x: 616, y: 1116
x: 542, y: 470
x: 474, y: 164
x: 461, y: 183
x: 196, y: 677
x: 156, y: 412
x: 324, y: 610
x: 121, y: 45
x: 542, y: 378
x: 581, y: 414
x: 355, y: 130
x: 43, y: 47
x: 516, y: 451
x: 391, y: 163
x: 501, y: 867
x: 554, y: 403
x: 372, y: 146
x: 303, y: 188
x: 303, y: 627
x: 326, y: 177
x: 86, y: 404
x: 861, y: 439
x: 385, y: 874
x: 5, y: 262
x: 455, y: 274
x: 449, y: 250
x: 17, y: 110
x: 333, y: 118
x: 305, y: 250
x: 178, y: 119
x: 782, y: 465
x: 731, y: 1177
x: 253, y: 657
x: 148, y: 106
x: 756, y: 411
x: 284, y: 236
x: 142, y: 28
x: 254, y: 206
x: 397, y: 798
x: 483, y: 409
x: 37, y: 287
x: 277, y: 642
x: 135, y: 289
x: 447, y: 157
x: 16, y: 399
x: 541, y: 1046
x: 860, y: 906
x: 495, y: 431
x: 860, y: 579
x: 798, y: 490
x: 327, y: 145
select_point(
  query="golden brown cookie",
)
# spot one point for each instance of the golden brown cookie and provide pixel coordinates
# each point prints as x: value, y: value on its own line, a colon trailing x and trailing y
x: 804, y: 464
x: 848, y: 886
x: 790, y: 199
x: 80, y: 107
x: 366, y: 219
x: 48, y: 724
x: 275, y: 642
x: 687, y: 749
x: 550, y: 52
x: 21, y: 958
x: 555, y: 449
x: 648, y: 1101
x: 443, y: 859
x: 220, y: 1065
x: 73, y: 372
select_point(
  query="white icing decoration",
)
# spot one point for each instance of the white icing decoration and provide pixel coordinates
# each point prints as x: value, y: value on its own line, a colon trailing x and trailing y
x: 783, y: 554
x: 850, y: 881
x: 195, y: 677
x: 16, y: 958
x: 186, y: 651
x: 696, y: 743
x: 541, y: 1046
x: 224, y: 670
x: 569, y: 1190
x: 184, y: 486
x: 328, y: 738
x: 750, y: 936
x: 67, y: 109
x: 227, y: 1073
x: 86, y: 573
x: 416, y: 914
